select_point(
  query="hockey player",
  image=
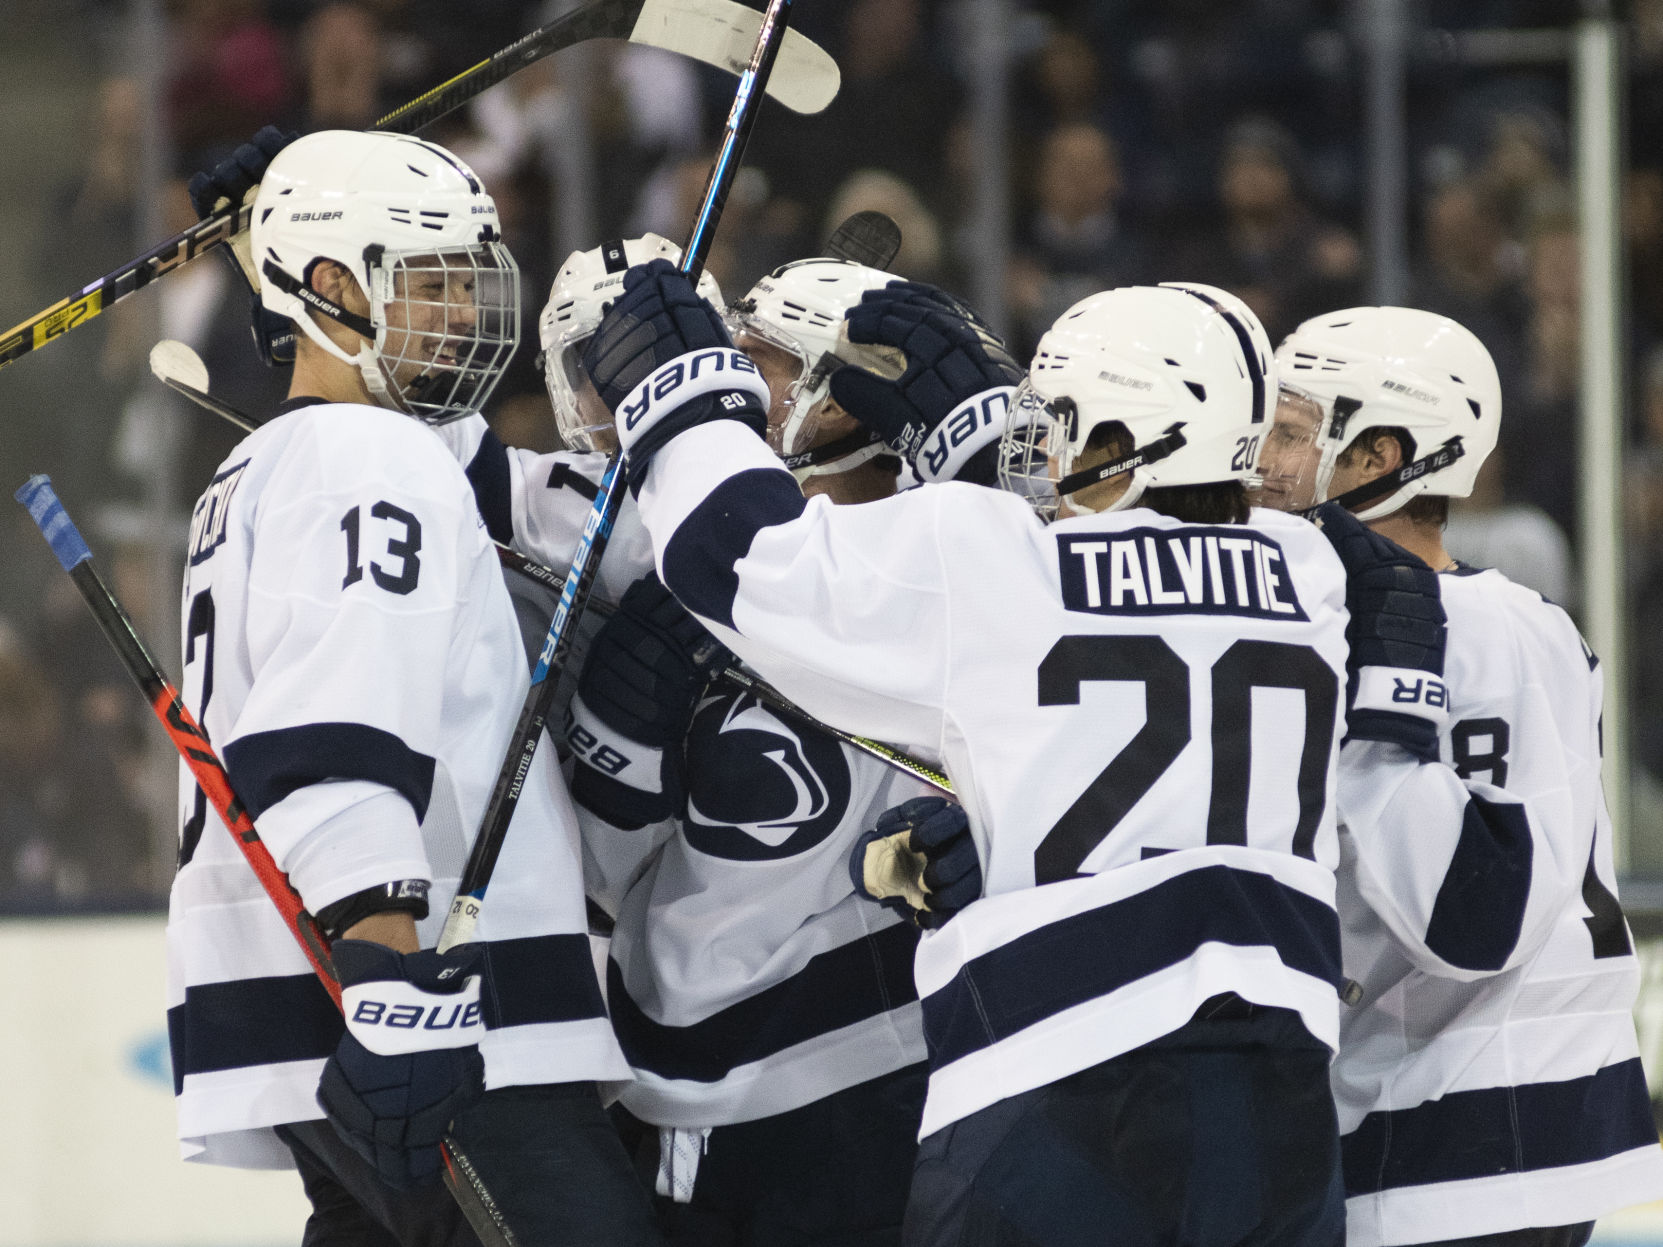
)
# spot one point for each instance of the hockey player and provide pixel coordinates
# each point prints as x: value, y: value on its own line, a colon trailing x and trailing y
x: 768, y: 1011
x: 1129, y: 1033
x: 351, y: 648
x: 1488, y: 1079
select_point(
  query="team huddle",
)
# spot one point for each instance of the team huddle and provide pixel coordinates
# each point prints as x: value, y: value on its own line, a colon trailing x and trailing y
x: 1273, y: 898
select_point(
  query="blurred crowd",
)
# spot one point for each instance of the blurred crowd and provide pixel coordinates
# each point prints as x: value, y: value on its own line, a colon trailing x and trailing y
x: 1209, y: 140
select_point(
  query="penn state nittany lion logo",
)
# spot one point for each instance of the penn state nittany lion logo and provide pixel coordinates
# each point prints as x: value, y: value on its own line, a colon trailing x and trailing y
x: 757, y: 787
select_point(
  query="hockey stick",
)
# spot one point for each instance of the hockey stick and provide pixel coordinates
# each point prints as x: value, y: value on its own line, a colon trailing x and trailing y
x: 597, y: 528
x: 192, y: 744
x: 718, y: 32
x: 765, y: 693
x: 870, y: 237
x: 181, y: 369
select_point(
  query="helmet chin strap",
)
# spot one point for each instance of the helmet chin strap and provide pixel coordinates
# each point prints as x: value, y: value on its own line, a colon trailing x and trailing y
x: 1173, y: 439
x: 1388, y: 487
x: 841, y: 455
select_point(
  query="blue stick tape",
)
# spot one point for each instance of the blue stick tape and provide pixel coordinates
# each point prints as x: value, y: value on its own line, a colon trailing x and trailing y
x: 55, y: 525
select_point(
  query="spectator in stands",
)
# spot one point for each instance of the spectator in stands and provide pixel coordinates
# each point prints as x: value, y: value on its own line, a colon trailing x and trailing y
x: 920, y: 257
x: 229, y: 76
x: 1539, y: 436
x: 1469, y: 271
x: 1074, y: 242
x: 1284, y: 260
x: 341, y: 56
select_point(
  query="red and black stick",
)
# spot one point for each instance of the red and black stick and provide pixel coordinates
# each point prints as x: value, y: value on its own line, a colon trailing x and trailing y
x: 192, y: 743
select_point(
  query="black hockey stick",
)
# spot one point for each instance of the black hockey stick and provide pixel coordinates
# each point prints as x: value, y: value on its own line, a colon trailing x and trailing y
x: 870, y: 237
x: 192, y: 744
x: 597, y: 528
x: 764, y: 692
x: 707, y: 30
x: 181, y: 369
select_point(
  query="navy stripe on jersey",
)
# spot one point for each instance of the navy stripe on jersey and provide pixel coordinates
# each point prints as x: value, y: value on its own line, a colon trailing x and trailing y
x: 837, y: 988
x: 1497, y: 1130
x: 263, y: 1021
x: 493, y: 489
x: 540, y: 978
x: 251, y: 1022
x: 1480, y: 907
x: 267, y: 766
x: 700, y: 557
x: 1080, y: 958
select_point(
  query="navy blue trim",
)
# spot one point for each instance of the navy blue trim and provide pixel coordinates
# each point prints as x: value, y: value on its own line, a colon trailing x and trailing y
x: 1089, y: 955
x: 564, y: 476
x: 837, y: 988
x: 251, y: 1022
x: 539, y: 978
x: 700, y: 558
x: 1479, y: 912
x: 1498, y: 1130
x: 268, y: 766
x: 493, y: 487
x: 265, y: 1021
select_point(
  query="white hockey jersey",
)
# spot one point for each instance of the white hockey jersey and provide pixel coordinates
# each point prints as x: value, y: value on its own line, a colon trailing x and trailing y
x: 1140, y: 717
x: 746, y: 978
x: 1489, y: 1078
x: 351, y: 650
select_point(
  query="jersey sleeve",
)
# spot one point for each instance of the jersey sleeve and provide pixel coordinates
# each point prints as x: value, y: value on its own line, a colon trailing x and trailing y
x: 843, y: 609
x: 538, y: 504
x: 615, y: 858
x: 1466, y: 875
x: 356, y: 578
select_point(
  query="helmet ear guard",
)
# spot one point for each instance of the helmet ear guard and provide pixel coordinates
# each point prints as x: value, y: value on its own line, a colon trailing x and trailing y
x: 1392, y: 367
x: 1185, y: 369
x: 583, y: 288
x: 417, y: 232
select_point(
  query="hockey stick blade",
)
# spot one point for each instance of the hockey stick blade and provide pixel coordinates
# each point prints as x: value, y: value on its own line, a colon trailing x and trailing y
x: 712, y: 31
x: 191, y: 742
x: 871, y: 238
x: 181, y: 369
x: 597, y: 527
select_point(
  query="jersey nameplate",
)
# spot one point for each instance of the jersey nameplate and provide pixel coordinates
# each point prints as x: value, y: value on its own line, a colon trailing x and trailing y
x: 212, y: 511
x: 1162, y: 571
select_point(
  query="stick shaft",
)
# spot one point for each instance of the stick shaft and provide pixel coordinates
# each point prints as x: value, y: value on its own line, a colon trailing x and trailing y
x: 603, y: 19
x: 597, y: 529
x: 192, y: 744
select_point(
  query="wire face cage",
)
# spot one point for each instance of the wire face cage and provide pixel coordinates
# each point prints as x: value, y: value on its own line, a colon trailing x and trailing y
x: 447, y: 323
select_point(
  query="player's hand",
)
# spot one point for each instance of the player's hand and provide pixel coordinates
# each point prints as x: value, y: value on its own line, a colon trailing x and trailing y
x: 946, y: 412
x: 662, y: 361
x: 232, y: 181
x: 409, y: 1061
x: 627, y: 727
x: 919, y: 860
x: 1396, y: 636
x: 240, y: 172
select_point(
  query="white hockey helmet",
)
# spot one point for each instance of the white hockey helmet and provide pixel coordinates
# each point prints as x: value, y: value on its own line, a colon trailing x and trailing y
x: 1396, y: 367
x: 586, y: 283
x: 1186, y: 368
x: 416, y: 229
x: 798, y: 308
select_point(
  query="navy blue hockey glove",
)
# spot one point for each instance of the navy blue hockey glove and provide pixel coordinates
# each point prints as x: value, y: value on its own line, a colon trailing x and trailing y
x: 1396, y: 690
x: 409, y: 1061
x: 919, y: 860
x: 232, y: 179
x: 627, y: 726
x: 946, y: 412
x: 662, y: 362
